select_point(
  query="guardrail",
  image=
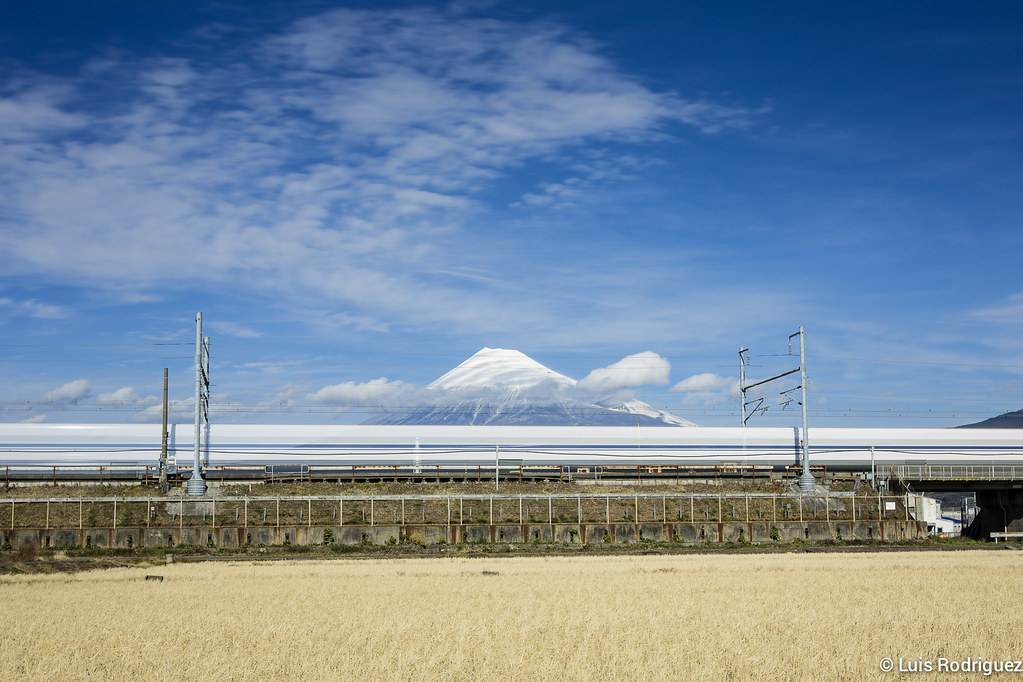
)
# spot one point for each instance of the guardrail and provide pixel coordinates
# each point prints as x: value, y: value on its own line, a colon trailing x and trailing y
x: 1006, y: 535
x: 509, y: 470
x: 937, y: 472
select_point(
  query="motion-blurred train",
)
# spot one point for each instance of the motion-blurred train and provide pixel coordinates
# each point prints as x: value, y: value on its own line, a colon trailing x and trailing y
x: 264, y: 445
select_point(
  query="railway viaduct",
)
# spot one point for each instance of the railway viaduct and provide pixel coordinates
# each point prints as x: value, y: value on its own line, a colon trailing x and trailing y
x: 999, y: 491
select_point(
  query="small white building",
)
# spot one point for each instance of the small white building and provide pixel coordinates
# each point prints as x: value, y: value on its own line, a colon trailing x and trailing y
x: 928, y: 510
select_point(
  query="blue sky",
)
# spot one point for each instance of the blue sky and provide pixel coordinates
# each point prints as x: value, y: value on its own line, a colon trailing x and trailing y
x: 358, y: 196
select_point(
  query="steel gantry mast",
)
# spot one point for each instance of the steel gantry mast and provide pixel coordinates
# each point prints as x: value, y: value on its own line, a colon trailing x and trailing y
x: 806, y: 482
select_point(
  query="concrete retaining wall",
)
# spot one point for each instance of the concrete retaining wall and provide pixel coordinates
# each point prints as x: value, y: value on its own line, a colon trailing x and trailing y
x: 559, y: 533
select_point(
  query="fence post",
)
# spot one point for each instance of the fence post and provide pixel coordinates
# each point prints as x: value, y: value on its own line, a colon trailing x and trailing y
x: 115, y: 513
x: 278, y: 512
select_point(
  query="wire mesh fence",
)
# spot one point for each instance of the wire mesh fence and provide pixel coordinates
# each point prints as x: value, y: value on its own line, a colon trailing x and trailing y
x: 373, y: 510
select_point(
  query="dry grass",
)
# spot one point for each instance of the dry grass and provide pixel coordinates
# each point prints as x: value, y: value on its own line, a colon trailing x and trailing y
x: 774, y: 616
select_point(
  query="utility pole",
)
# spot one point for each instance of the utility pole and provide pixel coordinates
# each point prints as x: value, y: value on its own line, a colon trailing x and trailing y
x: 163, y: 441
x: 196, y: 484
x: 806, y: 482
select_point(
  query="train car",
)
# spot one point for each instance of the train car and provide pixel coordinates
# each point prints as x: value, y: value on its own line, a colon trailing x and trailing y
x: 851, y: 449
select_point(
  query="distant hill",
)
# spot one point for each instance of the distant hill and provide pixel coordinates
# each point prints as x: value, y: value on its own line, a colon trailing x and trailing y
x: 1009, y: 420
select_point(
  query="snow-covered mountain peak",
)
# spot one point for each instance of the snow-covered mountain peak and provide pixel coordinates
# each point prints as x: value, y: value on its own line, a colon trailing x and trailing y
x: 504, y: 386
x: 500, y: 368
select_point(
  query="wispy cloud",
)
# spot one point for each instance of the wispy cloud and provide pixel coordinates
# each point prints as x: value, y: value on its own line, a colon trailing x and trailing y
x: 33, y: 308
x: 340, y: 160
x: 367, y: 393
x: 1008, y: 313
x: 235, y: 329
x: 707, y: 389
x: 72, y: 390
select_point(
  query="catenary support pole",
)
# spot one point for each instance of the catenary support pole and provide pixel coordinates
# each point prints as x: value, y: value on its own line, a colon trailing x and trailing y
x: 196, y: 484
x: 806, y: 482
x: 163, y: 439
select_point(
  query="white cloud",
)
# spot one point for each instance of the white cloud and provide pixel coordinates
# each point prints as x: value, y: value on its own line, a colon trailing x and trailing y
x: 633, y: 371
x: 558, y: 195
x: 1010, y: 312
x: 235, y: 329
x: 707, y: 389
x: 73, y: 390
x: 120, y: 396
x: 351, y: 393
x: 38, y: 419
x: 351, y: 153
x: 178, y: 411
x: 701, y: 383
x: 33, y: 110
x: 33, y: 308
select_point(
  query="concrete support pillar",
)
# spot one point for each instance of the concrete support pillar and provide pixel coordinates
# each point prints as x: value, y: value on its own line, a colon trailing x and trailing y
x: 999, y: 510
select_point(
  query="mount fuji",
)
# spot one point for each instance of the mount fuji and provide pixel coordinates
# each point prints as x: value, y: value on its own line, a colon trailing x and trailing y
x: 501, y: 386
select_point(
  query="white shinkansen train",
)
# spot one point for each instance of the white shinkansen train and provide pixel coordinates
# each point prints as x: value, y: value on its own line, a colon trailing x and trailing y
x: 252, y: 445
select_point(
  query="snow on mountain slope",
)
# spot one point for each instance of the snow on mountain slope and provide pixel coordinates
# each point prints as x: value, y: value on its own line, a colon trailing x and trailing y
x: 641, y: 408
x: 503, y: 386
x: 499, y: 368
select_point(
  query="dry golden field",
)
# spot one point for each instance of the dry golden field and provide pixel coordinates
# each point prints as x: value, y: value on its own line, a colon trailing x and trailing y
x: 768, y: 616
